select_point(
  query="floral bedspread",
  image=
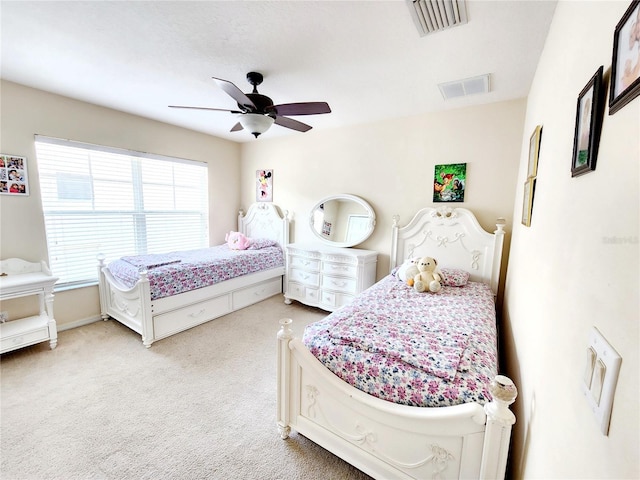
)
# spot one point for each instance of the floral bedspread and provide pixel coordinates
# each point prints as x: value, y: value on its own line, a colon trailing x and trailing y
x: 177, y: 272
x: 418, y: 349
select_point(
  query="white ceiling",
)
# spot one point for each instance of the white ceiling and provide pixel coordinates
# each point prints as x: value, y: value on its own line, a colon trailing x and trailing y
x: 365, y: 58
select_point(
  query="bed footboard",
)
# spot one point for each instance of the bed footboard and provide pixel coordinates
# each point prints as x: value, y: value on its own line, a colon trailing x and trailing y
x: 383, y: 439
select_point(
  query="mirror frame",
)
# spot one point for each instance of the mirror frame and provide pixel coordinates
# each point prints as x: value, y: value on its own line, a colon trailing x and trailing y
x: 345, y: 196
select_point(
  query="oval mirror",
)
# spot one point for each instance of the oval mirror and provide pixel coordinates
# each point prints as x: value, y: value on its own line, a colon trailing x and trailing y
x: 342, y: 220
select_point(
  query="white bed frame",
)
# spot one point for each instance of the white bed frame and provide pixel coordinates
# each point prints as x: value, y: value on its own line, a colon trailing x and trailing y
x: 387, y: 440
x: 167, y: 316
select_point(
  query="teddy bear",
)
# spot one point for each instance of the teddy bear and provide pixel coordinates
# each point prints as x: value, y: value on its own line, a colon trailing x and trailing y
x: 428, y: 278
x: 408, y: 270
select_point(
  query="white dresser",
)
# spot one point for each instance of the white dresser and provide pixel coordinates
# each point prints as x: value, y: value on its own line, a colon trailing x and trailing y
x: 327, y: 277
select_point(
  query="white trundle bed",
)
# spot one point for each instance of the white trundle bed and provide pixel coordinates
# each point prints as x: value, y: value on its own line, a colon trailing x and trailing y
x: 383, y: 438
x: 155, y: 319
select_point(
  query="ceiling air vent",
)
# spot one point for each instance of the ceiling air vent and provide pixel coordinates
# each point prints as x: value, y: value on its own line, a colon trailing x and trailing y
x: 434, y: 15
x: 468, y: 86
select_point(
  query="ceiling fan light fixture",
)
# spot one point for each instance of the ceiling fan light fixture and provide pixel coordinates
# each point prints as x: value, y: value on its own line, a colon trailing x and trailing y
x: 256, y: 123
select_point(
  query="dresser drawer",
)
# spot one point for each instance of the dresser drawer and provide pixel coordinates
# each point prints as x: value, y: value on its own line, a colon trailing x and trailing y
x: 303, y: 293
x: 335, y: 300
x: 339, y: 284
x: 305, y: 277
x: 339, y: 269
x: 304, y: 263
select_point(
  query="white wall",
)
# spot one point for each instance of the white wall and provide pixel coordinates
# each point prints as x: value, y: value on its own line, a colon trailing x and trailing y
x: 576, y: 266
x: 391, y: 165
x: 27, y: 111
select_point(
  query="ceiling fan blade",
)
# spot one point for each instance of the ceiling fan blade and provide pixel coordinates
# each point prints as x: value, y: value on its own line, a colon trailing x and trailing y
x: 206, y: 108
x: 237, y: 127
x: 302, y: 108
x: 292, y: 124
x: 235, y: 93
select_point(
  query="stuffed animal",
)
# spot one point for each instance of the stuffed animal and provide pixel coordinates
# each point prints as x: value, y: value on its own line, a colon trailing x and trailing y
x: 428, y: 279
x: 408, y: 270
x: 237, y: 241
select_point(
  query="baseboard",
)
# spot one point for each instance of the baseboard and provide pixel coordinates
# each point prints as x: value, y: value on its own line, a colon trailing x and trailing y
x: 78, y: 323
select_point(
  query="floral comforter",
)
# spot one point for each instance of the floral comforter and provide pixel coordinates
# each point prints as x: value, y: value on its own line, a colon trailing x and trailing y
x: 177, y: 272
x: 418, y: 349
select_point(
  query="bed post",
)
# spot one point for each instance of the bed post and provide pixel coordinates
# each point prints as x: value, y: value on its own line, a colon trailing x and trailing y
x: 498, y: 430
x: 497, y: 255
x: 285, y: 335
x: 394, y: 242
x: 102, y: 288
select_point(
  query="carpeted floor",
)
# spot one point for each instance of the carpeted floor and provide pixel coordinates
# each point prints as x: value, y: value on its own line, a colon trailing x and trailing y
x: 198, y: 405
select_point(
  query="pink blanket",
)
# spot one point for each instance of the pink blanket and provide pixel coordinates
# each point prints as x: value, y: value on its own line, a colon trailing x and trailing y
x: 415, y: 342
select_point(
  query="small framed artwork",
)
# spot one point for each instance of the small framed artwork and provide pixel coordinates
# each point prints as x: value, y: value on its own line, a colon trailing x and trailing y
x: 534, y: 151
x: 449, y: 182
x: 527, y: 201
x: 13, y: 175
x: 264, y: 185
x: 588, y: 126
x: 625, y: 65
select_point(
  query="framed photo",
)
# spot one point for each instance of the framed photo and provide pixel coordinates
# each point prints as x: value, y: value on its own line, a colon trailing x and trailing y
x: 625, y: 65
x: 527, y: 201
x: 534, y: 151
x: 449, y: 182
x: 13, y: 175
x: 588, y: 126
x: 264, y: 185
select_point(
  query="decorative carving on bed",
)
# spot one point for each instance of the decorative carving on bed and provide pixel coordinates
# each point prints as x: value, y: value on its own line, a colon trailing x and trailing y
x: 447, y: 235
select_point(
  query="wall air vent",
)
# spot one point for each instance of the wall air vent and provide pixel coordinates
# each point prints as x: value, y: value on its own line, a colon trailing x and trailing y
x: 434, y: 15
x: 468, y: 86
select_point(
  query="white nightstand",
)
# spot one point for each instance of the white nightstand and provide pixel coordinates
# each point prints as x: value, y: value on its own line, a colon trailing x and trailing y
x: 19, y: 278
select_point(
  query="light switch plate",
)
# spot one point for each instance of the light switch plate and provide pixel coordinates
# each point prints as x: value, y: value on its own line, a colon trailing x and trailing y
x: 600, y: 377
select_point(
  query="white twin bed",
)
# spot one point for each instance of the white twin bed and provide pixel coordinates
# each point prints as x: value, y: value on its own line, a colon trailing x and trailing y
x: 149, y: 303
x: 388, y: 424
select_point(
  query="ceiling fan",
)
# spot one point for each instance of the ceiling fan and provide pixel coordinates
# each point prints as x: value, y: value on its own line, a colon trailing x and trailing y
x: 257, y: 112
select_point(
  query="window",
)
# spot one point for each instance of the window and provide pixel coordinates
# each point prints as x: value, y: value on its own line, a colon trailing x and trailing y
x: 101, y: 200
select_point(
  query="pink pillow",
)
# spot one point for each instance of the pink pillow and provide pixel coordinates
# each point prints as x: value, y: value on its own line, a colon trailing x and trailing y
x: 454, y: 277
x: 237, y: 241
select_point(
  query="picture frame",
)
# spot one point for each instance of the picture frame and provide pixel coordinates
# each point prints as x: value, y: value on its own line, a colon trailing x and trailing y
x: 527, y: 201
x: 588, y: 126
x: 264, y: 185
x: 534, y: 151
x: 13, y: 175
x: 625, y: 64
x: 449, y: 182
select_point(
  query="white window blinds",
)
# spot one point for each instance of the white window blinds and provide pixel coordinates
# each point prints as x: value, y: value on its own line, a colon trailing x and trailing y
x: 101, y: 200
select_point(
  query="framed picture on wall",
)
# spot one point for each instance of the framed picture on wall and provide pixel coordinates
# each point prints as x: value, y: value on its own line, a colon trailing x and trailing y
x: 264, y: 185
x: 588, y: 126
x: 449, y: 182
x: 625, y: 65
x: 534, y: 151
x: 13, y: 175
x: 527, y: 201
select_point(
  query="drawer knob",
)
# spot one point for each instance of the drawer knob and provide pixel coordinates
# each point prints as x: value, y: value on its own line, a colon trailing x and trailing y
x: 194, y: 315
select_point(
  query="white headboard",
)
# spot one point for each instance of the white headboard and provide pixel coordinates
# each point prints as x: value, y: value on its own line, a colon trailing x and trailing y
x: 263, y: 220
x: 454, y: 238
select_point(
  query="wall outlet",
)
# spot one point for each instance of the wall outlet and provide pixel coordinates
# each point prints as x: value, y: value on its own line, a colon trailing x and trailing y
x: 4, y: 316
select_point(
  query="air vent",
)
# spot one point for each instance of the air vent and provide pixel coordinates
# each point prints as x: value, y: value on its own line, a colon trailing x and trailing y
x: 434, y: 15
x: 468, y: 86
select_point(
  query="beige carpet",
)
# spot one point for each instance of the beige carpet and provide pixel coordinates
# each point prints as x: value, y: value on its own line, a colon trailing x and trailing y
x: 198, y: 405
